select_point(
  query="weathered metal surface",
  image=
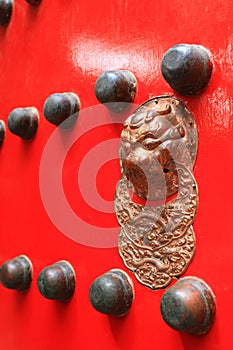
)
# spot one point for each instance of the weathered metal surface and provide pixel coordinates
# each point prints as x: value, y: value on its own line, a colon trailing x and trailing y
x: 60, y: 107
x: 116, y: 86
x: 112, y: 293
x: 16, y: 273
x: 6, y: 10
x: 189, y: 306
x: 2, y: 131
x: 57, y: 282
x: 187, y: 68
x: 161, y: 133
x: 23, y: 122
x: 157, y: 241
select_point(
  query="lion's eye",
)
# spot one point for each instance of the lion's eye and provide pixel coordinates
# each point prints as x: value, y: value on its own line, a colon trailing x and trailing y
x: 151, y: 143
x: 145, y: 136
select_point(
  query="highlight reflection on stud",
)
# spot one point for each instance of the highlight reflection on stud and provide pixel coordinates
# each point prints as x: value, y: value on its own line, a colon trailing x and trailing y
x: 6, y: 9
x: 112, y: 293
x: 189, y: 306
x: 23, y: 122
x: 62, y: 107
x: 187, y: 68
x: 116, y: 88
x: 16, y: 273
x: 57, y: 282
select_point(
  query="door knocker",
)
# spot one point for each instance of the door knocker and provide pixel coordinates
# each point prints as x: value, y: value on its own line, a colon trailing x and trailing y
x: 157, y: 154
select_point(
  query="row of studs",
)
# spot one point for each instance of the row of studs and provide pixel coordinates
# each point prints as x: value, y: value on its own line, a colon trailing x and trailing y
x: 187, y: 69
x: 115, y: 88
x: 112, y: 293
x: 57, y: 282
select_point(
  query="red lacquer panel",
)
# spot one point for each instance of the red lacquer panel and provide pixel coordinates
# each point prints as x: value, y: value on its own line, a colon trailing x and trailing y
x: 64, y: 46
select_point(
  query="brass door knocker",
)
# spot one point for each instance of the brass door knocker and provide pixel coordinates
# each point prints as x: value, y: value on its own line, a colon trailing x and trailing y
x: 157, y: 154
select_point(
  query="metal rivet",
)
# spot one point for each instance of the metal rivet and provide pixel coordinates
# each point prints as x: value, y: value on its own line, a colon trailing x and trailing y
x: 23, y: 122
x: 34, y: 2
x: 2, y: 131
x: 16, y: 273
x: 112, y: 293
x: 57, y: 282
x: 116, y: 88
x: 189, y: 306
x: 6, y: 9
x: 187, y: 68
x: 62, y: 107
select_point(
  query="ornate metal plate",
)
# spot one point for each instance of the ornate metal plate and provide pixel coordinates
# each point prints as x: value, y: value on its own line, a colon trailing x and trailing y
x: 157, y: 153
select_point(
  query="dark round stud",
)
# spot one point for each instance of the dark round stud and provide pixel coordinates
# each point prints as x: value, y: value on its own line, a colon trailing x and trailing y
x: 57, y: 282
x: 112, y: 293
x: 34, y: 2
x: 16, y: 273
x: 2, y: 131
x: 62, y: 107
x: 6, y: 9
x: 116, y: 88
x: 187, y: 68
x: 189, y: 306
x: 23, y: 122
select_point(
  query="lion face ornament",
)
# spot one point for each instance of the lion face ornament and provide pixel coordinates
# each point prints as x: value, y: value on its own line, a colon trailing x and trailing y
x: 157, y: 153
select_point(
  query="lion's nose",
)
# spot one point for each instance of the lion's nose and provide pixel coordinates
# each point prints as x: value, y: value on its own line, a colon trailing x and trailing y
x: 143, y: 160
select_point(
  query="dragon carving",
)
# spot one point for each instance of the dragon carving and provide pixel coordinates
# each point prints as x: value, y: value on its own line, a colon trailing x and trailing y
x: 156, y: 197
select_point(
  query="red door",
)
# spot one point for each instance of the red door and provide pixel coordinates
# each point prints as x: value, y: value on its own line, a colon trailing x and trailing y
x: 63, y: 46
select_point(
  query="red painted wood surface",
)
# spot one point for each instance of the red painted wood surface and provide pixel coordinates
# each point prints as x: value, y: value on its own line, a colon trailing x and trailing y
x: 64, y: 46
